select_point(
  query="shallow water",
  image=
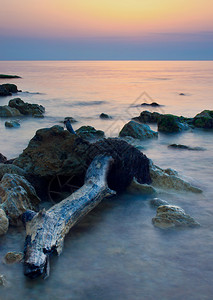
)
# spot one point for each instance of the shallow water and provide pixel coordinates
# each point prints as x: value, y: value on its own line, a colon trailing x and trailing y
x: 115, y: 252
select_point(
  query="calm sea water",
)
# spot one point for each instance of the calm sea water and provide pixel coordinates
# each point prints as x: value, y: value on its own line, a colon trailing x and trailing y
x: 115, y: 252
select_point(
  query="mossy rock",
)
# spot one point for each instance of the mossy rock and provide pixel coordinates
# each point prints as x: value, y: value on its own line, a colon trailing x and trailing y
x: 89, y: 133
x: 168, y: 123
x: 204, y: 119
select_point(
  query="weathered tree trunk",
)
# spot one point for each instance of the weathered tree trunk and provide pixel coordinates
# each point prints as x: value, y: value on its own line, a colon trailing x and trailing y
x: 45, y: 231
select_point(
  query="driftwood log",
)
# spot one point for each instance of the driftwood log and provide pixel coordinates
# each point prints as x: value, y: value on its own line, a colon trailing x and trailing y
x: 46, y: 230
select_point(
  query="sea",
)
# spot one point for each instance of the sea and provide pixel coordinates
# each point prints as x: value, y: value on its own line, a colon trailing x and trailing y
x: 115, y: 252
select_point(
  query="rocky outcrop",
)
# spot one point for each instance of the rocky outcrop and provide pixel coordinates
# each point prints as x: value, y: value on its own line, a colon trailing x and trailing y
x: 171, y: 124
x: 10, y: 169
x: 27, y: 108
x: 89, y: 133
x: 169, y: 179
x: 169, y: 216
x: 137, y: 188
x: 7, y: 111
x: 137, y: 131
x: 204, y: 119
x: 17, y: 196
x: 105, y: 116
x: 147, y: 117
x: 8, y: 89
x: 12, y: 124
x: 184, y: 147
x: 13, y: 257
x: 4, y: 222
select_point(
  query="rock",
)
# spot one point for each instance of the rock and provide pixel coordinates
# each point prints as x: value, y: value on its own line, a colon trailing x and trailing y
x: 129, y: 163
x: 7, y: 111
x: 54, y: 151
x: 3, y: 281
x: 72, y: 120
x: 140, y: 189
x: 12, y: 124
x: 89, y: 133
x: 170, y: 124
x: 105, y: 116
x: 17, y: 195
x: 169, y: 216
x: 156, y: 202
x: 10, y: 169
x: 184, y: 147
x: 27, y: 108
x: 204, y: 119
x: 137, y: 131
x: 8, y: 89
x: 4, y: 222
x: 153, y: 104
x: 3, y: 76
x: 147, y: 117
x: 3, y: 159
x: 167, y: 180
x: 182, y: 94
x: 13, y: 257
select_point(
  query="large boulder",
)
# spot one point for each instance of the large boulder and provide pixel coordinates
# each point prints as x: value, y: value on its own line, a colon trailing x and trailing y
x: 7, y: 111
x: 204, y: 119
x: 54, y: 151
x: 27, y: 108
x: 147, y: 117
x: 8, y: 89
x: 170, y: 124
x: 169, y: 216
x: 137, y: 131
x: 17, y: 196
x: 89, y: 133
x: 4, y: 222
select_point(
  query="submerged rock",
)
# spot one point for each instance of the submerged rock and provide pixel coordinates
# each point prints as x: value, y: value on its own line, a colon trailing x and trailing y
x: 156, y: 202
x: 105, y: 116
x: 169, y: 216
x: 153, y: 104
x: 13, y: 257
x: 17, y: 195
x: 4, y: 76
x: 137, y: 131
x: 170, y: 124
x: 3, y: 281
x: 7, y: 111
x: 4, y: 222
x: 184, y: 147
x: 12, y: 124
x: 139, y: 189
x: 89, y: 133
x: 8, y: 89
x: 168, y: 180
x: 147, y: 117
x: 72, y: 120
x: 27, y: 108
x: 204, y: 119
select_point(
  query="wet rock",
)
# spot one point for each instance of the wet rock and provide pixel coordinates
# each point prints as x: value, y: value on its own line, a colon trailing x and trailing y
x: 156, y: 202
x: 166, y: 180
x: 3, y: 281
x: 4, y: 76
x: 129, y: 163
x: 12, y: 124
x: 184, y: 147
x: 89, y: 133
x: 204, y: 119
x: 13, y: 257
x: 182, y: 94
x: 17, y: 195
x: 171, y: 124
x: 148, y: 117
x: 137, y: 131
x: 139, y: 189
x: 153, y: 104
x: 10, y: 169
x: 8, y: 89
x: 72, y: 120
x: 169, y: 216
x: 3, y: 159
x: 4, y: 222
x: 105, y: 116
x: 7, y: 111
x: 27, y: 108
x: 54, y: 151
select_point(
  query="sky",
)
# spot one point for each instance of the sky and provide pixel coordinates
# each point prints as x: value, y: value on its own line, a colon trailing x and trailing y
x: 106, y: 30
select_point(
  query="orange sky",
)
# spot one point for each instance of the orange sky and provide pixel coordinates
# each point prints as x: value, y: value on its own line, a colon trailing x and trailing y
x: 106, y: 18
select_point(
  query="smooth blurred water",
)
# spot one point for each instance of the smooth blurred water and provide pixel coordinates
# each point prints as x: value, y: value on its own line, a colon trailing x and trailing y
x: 115, y: 252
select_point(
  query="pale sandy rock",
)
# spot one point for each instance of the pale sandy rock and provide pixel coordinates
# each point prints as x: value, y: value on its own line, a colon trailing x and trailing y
x: 13, y: 257
x: 4, y: 222
x: 137, y: 188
